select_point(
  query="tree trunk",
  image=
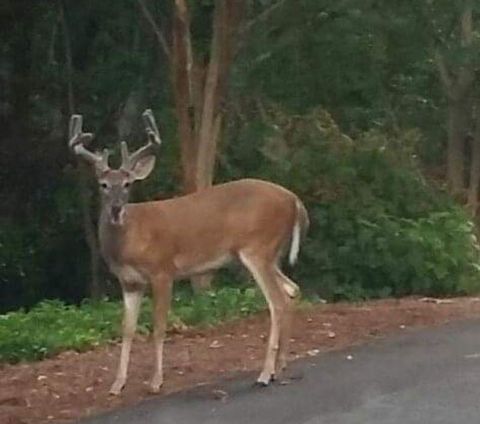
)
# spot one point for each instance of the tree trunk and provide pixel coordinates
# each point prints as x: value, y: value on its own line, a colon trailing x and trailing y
x: 456, y: 147
x: 181, y: 67
x: 227, y: 16
x: 226, y: 21
x: 199, y: 89
x: 457, y: 85
x: 95, y: 288
x: 475, y: 166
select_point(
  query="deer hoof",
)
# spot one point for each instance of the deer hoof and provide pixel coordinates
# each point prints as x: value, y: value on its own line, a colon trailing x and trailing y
x: 155, y: 388
x: 264, y: 379
x: 281, y: 366
x: 156, y: 385
x: 117, y: 387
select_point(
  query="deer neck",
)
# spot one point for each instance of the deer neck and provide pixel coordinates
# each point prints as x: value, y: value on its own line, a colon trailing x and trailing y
x: 112, y: 238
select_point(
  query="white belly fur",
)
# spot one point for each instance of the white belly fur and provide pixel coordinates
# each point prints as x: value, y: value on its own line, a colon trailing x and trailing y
x: 186, y: 268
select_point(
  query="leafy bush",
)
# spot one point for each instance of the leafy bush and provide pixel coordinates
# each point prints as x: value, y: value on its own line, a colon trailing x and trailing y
x: 52, y: 326
x: 38, y: 262
x: 369, y: 253
x: 378, y: 228
x: 19, y: 264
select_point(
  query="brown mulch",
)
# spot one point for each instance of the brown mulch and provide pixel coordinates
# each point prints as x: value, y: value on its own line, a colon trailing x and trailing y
x: 74, y: 385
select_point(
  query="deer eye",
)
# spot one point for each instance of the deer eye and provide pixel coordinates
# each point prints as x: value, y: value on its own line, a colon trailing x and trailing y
x: 104, y: 186
x: 127, y: 184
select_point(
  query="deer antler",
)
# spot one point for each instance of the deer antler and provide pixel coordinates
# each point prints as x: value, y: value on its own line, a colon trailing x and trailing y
x: 77, y: 141
x: 154, y: 140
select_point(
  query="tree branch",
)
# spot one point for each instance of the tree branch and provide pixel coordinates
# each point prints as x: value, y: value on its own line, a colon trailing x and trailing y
x: 466, y: 75
x: 457, y: 87
x: 68, y: 58
x: 262, y: 16
x: 466, y: 24
x: 183, y: 44
x: 155, y: 28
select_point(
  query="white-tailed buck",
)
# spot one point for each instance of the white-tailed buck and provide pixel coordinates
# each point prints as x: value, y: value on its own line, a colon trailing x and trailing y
x: 156, y: 242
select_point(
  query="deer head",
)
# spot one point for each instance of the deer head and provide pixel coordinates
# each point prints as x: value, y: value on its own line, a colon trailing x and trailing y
x: 115, y: 184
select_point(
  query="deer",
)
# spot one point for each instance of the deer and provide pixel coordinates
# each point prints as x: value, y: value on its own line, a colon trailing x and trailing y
x: 154, y: 243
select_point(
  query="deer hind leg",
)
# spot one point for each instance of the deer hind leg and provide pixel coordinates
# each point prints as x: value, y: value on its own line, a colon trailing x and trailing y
x: 264, y: 274
x: 132, y: 299
x: 162, y: 293
x: 292, y: 292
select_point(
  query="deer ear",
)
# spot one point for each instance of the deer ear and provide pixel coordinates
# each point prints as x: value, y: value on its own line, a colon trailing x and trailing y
x: 143, y: 167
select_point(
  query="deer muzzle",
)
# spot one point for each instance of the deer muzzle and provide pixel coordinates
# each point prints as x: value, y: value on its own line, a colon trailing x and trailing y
x: 117, y: 214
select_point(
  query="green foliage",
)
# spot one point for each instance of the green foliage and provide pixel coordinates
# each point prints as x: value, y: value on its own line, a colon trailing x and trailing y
x: 17, y: 269
x: 45, y: 256
x: 218, y: 306
x: 365, y: 253
x: 52, y: 326
x: 368, y: 63
x: 378, y: 228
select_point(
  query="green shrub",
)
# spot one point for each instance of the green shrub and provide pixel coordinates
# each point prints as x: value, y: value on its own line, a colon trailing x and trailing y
x: 52, y: 326
x: 363, y: 253
x: 377, y: 227
x: 20, y: 272
x: 44, y: 255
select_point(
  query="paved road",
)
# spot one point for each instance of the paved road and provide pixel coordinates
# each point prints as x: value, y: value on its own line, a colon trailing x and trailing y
x: 427, y: 377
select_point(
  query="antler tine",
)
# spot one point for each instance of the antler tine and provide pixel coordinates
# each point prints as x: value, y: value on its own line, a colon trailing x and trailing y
x: 151, y: 127
x: 129, y: 160
x: 77, y: 141
x: 74, y: 126
x: 74, y: 130
x: 126, y: 164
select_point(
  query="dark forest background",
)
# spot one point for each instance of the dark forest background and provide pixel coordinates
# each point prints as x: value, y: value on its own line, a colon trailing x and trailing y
x: 369, y: 110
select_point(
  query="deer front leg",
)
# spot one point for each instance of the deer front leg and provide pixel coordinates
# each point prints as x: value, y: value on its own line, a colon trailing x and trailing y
x: 162, y: 293
x: 132, y: 299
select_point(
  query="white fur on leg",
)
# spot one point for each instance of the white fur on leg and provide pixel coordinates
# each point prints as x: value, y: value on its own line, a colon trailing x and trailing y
x: 157, y: 380
x: 131, y: 302
x: 291, y: 288
x: 268, y: 372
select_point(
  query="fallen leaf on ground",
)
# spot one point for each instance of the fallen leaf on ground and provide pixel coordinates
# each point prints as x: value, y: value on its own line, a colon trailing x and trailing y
x: 436, y: 301
x: 473, y: 356
x: 220, y: 395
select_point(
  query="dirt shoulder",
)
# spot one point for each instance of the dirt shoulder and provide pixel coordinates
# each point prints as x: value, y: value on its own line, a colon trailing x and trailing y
x: 74, y: 385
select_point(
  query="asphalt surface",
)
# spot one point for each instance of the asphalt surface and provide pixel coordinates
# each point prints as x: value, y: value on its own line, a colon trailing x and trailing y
x: 428, y: 376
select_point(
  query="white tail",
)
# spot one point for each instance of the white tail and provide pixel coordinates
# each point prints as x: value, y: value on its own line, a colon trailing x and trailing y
x: 295, y: 245
x: 157, y: 242
x: 299, y: 227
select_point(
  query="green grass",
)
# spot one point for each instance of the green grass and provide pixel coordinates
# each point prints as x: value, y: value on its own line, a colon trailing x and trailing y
x: 52, y: 326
